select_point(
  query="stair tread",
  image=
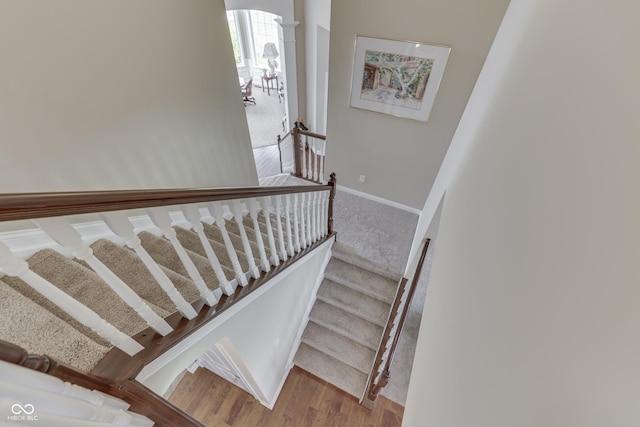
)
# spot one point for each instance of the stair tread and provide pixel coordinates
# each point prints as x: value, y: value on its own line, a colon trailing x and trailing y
x: 365, y: 281
x: 339, y: 347
x: 39, y: 331
x: 162, y: 252
x: 128, y: 267
x: 213, y: 232
x: 191, y: 241
x: 331, y: 370
x: 355, y: 302
x: 82, y: 284
x: 347, y: 324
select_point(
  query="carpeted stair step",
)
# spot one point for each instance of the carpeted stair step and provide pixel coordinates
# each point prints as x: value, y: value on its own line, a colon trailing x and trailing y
x: 361, y: 280
x: 128, y: 267
x: 85, y: 286
x: 191, y: 241
x: 39, y: 331
x: 233, y: 229
x: 362, y: 305
x: 332, y: 370
x: 162, y: 252
x: 339, y: 347
x: 347, y: 324
x: 213, y: 232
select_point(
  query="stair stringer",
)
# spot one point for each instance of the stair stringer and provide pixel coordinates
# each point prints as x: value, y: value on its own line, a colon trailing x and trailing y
x: 265, y: 328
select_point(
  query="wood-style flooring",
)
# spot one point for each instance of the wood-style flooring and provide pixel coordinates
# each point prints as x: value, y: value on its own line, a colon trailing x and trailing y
x: 267, y: 160
x: 305, y: 401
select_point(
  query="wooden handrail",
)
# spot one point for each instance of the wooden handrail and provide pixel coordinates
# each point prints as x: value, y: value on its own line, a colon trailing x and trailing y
x: 373, y: 389
x: 308, y: 133
x: 20, y: 206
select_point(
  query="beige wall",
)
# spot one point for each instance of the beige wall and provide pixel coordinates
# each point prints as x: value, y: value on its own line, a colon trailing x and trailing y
x: 401, y: 157
x: 531, y: 316
x: 115, y: 94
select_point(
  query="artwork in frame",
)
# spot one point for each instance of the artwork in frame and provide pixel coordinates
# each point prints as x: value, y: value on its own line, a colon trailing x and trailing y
x: 397, y: 77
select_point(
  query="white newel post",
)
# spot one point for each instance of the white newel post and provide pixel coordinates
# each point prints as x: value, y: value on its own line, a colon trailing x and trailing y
x: 253, y: 212
x: 237, y: 215
x: 16, y: 267
x: 62, y: 232
x: 160, y: 217
x: 264, y: 205
x: 215, y: 208
x: 192, y: 214
x: 122, y: 227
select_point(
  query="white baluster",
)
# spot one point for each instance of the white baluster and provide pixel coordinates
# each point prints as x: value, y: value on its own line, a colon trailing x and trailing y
x: 275, y: 260
x: 315, y: 161
x: 296, y: 227
x: 277, y: 212
x: 322, y: 154
x: 162, y: 220
x: 303, y: 148
x: 216, y: 209
x: 303, y: 228
x: 309, y: 168
x: 63, y: 233
x: 314, y: 217
x: 318, y: 216
x: 30, y: 378
x: 287, y: 207
x: 237, y: 215
x: 253, y: 212
x: 16, y: 267
x: 192, y: 214
x: 122, y: 227
x: 325, y: 213
x: 46, y: 404
x: 308, y: 208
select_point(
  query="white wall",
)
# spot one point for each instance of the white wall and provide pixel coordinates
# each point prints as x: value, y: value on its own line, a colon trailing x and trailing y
x: 264, y: 332
x: 401, y: 157
x: 531, y: 317
x: 114, y: 94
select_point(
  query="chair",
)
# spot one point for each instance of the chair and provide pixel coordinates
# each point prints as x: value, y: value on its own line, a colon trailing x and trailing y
x: 246, y: 92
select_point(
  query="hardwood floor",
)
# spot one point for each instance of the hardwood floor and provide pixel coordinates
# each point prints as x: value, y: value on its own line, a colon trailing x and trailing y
x: 305, y: 400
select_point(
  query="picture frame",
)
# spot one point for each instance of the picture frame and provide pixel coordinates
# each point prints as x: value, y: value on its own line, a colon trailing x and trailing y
x: 399, y: 78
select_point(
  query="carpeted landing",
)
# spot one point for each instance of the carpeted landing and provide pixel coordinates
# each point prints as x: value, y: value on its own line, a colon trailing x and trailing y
x: 36, y: 324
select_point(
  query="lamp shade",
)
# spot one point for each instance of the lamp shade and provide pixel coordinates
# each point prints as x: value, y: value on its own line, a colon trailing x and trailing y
x: 270, y: 51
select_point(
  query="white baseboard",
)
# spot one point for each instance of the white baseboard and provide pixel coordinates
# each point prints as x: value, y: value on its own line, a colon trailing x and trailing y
x: 379, y: 200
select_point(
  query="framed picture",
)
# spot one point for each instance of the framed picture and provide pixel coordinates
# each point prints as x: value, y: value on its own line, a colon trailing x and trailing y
x: 397, y: 77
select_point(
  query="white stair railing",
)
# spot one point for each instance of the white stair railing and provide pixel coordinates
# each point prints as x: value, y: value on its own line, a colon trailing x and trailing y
x: 253, y: 213
x: 264, y: 205
x: 192, y: 214
x: 160, y: 217
x: 62, y: 232
x: 236, y: 209
x: 16, y: 267
x: 285, y: 209
x: 122, y: 227
x: 217, y: 212
x: 277, y: 212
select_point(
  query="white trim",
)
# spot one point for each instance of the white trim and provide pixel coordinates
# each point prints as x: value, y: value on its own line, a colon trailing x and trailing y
x: 202, y: 332
x: 380, y: 200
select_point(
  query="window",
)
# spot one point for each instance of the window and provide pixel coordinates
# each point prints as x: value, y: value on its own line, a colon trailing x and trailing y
x: 235, y: 37
x: 250, y: 31
x: 264, y: 30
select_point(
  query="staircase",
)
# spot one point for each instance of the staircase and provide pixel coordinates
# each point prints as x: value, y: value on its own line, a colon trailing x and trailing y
x: 347, y: 322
